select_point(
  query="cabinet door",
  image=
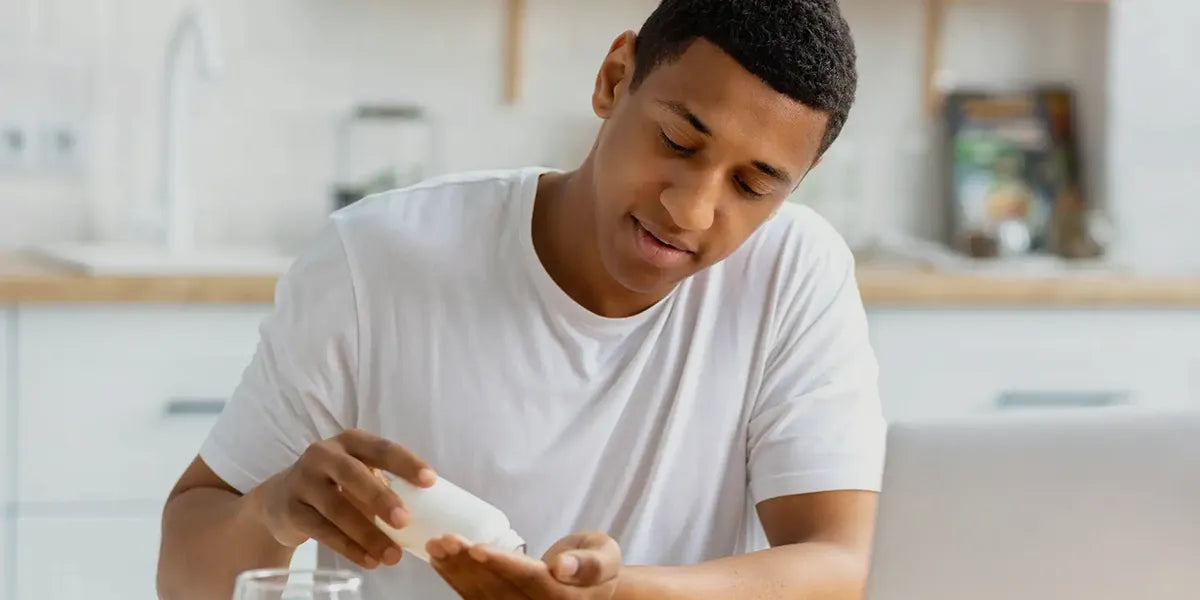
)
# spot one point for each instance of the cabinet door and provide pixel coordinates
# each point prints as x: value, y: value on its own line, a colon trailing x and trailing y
x: 115, y: 400
x: 6, y: 582
x: 96, y: 558
x: 939, y: 363
x: 93, y: 558
x: 6, y: 386
x: 7, y: 440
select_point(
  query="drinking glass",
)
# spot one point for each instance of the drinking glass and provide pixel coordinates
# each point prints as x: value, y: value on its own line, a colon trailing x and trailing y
x: 305, y: 584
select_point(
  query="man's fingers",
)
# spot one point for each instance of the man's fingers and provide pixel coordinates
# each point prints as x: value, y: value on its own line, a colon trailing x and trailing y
x: 566, y: 568
x: 596, y: 559
x: 339, y: 511
x: 584, y: 568
x: 393, y: 458
x: 368, y: 492
x: 449, y: 576
x: 452, y: 559
x: 451, y: 571
x: 330, y: 461
x: 326, y: 533
x: 527, y: 574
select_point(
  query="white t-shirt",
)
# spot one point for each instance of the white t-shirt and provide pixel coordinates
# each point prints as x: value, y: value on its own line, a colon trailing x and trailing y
x: 424, y: 315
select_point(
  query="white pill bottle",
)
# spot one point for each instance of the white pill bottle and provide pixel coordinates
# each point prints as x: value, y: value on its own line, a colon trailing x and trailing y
x: 445, y: 509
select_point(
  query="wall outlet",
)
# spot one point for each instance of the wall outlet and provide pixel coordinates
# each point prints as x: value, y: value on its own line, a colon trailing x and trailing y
x: 52, y: 146
x: 16, y: 146
x: 60, y: 146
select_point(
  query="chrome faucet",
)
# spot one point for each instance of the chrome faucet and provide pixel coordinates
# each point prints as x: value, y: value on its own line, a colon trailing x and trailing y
x: 196, y: 23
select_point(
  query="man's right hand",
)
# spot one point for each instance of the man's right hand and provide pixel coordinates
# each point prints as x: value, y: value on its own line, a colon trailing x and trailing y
x: 332, y: 494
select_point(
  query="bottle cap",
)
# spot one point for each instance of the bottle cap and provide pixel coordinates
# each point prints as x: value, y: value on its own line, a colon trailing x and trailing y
x: 510, y: 541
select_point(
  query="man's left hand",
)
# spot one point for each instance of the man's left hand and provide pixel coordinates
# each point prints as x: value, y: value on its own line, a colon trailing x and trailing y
x: 583, y: 566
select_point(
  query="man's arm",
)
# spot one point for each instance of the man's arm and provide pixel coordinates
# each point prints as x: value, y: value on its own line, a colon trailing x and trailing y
x: 820, y: 550
x: 209, y: 535
x: 332, y: 494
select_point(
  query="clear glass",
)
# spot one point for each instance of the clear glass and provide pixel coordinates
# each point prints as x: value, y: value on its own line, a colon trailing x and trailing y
x: 308, y: 584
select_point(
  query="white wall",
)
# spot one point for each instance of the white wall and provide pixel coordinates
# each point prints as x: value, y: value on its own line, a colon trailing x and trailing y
x: 988, y: 43
x: 1156, y: 132
x: 259, y: 142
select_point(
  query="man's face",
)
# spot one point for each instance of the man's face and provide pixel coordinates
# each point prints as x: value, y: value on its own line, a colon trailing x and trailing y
x: 690, y: 164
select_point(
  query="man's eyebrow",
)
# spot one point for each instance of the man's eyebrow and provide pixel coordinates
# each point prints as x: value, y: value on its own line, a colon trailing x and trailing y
x: 681, y: 110
x: 773, y: 172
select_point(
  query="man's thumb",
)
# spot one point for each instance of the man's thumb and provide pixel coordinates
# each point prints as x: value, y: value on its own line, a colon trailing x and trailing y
x: 596, y: 561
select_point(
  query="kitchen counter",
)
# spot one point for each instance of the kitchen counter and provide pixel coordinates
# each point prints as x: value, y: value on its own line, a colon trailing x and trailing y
x: 910, y: 287
x: 25, y: 279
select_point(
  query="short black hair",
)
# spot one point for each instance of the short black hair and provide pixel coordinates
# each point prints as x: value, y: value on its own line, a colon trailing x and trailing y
x: 801, y: 48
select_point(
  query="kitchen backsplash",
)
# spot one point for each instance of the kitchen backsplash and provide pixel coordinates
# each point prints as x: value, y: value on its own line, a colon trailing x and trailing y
x: 258, y: 143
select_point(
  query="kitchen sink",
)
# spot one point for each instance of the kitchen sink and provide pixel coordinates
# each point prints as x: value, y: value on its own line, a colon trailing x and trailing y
x: 118, y: 259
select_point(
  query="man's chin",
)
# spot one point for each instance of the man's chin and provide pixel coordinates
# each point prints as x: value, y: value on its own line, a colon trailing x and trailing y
x: 641, y: 278
x: 650, y: 284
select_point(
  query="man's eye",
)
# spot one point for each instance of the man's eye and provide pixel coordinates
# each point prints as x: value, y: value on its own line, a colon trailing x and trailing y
x: 673, y: 147
x: 747, y: 189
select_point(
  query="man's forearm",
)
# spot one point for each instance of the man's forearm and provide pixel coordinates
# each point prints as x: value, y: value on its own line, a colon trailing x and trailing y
x: 810, y: 571
x: 208, y: 537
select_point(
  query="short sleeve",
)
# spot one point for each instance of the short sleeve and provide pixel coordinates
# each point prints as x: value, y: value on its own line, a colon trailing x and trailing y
x: 300, y: 386
x: 817, y: 424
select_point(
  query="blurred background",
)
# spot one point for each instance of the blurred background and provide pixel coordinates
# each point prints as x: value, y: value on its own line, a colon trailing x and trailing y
x: 1017, y: 179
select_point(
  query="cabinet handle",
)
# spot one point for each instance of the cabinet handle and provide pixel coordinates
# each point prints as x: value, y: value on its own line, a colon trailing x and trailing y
x: 1008, y: 400
x: 190, y: 407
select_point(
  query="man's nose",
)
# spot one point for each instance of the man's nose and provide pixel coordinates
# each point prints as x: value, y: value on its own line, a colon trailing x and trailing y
x: 692, y: 202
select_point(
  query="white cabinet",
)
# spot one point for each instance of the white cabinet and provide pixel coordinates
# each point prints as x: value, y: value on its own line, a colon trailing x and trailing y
x: 6, y: 556
x: 115, y: 400
x: 6, y: 441
x: 111, y: 404
x: 936, y: 363
x: 94, y: 558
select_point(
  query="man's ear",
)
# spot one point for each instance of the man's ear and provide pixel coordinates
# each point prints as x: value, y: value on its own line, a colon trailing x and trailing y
x: 616, y: 73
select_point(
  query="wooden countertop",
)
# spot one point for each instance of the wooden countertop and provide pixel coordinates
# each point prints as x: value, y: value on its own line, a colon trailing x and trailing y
x: 25, y: 279
x: 28, y: 280
x: 907, y: 287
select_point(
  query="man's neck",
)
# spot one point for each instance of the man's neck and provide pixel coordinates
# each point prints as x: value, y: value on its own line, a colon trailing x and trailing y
x: 565, y: 240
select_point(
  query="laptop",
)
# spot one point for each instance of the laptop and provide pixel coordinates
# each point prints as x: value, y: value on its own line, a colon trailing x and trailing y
x: 1090, y: 505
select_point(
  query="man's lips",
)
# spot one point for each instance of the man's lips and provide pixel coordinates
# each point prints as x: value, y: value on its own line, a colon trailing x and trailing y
x: 657, y: 252
x: 664, y: 239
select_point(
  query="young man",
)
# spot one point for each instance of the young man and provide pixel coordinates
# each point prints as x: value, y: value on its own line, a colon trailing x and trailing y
x: 652, y: 355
